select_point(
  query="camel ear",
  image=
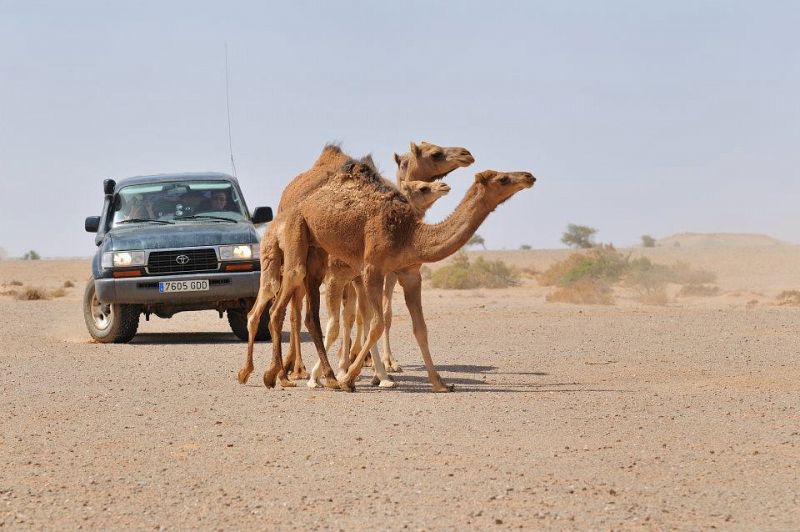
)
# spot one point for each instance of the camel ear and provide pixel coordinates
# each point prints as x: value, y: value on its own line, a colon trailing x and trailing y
x: 485, y: 176
x: 415, y: 150
x: 397, y: 159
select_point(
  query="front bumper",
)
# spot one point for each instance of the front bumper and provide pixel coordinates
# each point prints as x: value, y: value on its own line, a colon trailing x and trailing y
x: 144, y: 290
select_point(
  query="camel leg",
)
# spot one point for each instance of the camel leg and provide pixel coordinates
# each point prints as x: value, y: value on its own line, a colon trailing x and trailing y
x: 349, y: 312
x: 295, y: 354
x: 270, y: 273
x: 364, y: 317
x: 317, y: 260
x: 333, y: 300
x: 411, y: 281
x: 373, y: 279
x: 388, y: 291
x: 276, y: 369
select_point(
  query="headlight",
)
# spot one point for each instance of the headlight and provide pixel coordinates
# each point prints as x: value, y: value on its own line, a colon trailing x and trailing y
x: 123, y: 259
x: 240, y: 252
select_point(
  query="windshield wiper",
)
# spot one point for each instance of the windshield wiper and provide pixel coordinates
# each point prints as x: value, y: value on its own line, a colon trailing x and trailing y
x: 206, y: 217
x: 140, y: 220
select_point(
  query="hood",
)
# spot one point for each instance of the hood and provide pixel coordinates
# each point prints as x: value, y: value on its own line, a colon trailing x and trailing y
x: 181, y: 235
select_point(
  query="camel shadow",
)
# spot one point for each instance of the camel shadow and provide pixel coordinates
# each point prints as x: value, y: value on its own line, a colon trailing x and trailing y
x: 470, y: 368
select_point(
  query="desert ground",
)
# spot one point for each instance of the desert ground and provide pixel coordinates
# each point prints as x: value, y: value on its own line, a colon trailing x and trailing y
x: 627, y: 416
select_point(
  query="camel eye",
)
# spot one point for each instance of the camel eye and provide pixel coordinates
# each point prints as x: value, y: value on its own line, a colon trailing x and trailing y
x: 425, y: 189
x: 437, y: 155
x: 505, y: 180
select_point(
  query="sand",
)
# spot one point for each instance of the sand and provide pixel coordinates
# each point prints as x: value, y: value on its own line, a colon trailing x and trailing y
x: 630, y: 416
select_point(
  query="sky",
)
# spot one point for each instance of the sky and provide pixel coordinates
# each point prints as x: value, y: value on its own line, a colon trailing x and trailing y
x: 635, y: 117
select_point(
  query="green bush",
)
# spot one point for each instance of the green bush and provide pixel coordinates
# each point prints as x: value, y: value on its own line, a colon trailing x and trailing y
x: 579, y: 236
x: 648, y: 241
x: 460, y: 274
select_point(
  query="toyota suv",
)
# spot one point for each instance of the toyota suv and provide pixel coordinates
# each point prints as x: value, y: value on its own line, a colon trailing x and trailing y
x: 171, y: 243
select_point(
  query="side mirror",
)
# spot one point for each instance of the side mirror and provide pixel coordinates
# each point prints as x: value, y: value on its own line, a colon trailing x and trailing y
x: 92, y: 224
x: 262, y: 215
x: 108, y: 186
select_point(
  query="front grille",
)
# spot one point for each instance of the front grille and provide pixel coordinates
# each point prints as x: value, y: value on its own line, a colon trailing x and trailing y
x: 199, y: 260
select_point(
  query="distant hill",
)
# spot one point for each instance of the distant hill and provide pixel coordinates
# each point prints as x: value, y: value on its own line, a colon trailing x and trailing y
x: 715, y: 240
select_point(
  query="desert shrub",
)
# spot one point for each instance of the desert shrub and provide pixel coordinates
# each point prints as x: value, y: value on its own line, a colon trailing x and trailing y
x: 525, y: 247
x: 9, y: 292
x: 32, y: 294
x: 789, y: 297
x: 13, y: 283
x: 579, y: 236
x: 648, y: 241
x: 31, y: 255
x: 583, y: 291
x: 529, y: 271
x: 698, y: 290
x: 68, y: 284
x: 603, y: 263
x: 599, y: 268
x: 461, y: 274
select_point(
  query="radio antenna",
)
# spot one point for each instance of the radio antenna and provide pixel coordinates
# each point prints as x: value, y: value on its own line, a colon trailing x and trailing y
x: 228, y: 102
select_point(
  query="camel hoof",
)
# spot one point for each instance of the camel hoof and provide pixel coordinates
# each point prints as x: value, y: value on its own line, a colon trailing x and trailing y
x: 341, y: 375
x: 299, y: 375
x: 368, y: 362
x: 443, y: 388
x: 388, y: 384
x: 375, y: 381
x: 286, y: 383
x: 269, y: 378
x: 244, y: 374
x: 347, y: 385
x: 393, y: 368
x: 332, y: 384
x: 313, y: 384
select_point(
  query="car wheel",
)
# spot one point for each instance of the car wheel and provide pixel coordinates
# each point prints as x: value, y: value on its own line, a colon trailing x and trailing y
x: 109, y: 322
x: 238, y: 322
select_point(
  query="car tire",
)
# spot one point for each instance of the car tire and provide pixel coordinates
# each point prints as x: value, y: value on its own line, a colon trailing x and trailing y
x: 112, y: 323
x: 238, y: 322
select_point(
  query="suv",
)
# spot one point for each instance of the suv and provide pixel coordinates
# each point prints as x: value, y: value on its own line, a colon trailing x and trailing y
x: 170, y: 243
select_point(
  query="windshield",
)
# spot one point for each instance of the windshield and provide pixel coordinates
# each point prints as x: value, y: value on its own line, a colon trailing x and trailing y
x: 178, y: 202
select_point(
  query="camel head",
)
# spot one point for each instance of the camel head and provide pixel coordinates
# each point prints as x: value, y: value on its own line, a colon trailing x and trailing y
x: 429, y: 162
x: 496, y: 187
x: 422, y: 194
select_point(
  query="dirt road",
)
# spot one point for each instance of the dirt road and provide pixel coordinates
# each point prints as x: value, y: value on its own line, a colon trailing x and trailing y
x: 565, y: 417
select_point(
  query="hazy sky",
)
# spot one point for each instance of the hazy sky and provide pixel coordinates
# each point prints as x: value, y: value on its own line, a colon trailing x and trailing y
x: 636, y: 117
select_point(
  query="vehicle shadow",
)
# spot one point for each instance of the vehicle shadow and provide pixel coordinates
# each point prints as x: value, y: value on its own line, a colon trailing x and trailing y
x: 469, y: 368
x: 201, y: 338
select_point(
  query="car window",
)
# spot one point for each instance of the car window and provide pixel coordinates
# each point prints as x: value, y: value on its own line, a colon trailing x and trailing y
x: 178, y: 202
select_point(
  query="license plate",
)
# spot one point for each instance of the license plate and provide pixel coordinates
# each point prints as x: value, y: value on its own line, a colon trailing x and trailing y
x: 198, y: 285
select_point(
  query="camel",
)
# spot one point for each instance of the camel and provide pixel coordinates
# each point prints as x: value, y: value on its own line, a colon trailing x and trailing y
x: 421, y: 196
x: 378, y: 233
x: 425, y: 161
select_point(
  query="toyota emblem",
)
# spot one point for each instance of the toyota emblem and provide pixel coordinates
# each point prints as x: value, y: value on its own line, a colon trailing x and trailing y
x: 182, y: 259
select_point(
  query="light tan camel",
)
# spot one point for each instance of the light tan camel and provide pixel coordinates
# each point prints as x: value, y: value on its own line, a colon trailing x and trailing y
x: 421, y: 195
x: 425, y: 160
x: 379, y: 232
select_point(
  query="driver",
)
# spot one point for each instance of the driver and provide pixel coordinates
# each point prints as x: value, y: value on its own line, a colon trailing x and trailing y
x: 219, y: 201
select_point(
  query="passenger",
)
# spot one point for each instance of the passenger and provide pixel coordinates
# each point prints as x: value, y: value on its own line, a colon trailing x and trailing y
x: 145, y: 209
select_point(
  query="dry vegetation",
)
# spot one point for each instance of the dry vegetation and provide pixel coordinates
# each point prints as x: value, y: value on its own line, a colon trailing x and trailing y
x: 589, y: 278
x: 789, y: 297
x: 33, y: 293
x: 462, y: 274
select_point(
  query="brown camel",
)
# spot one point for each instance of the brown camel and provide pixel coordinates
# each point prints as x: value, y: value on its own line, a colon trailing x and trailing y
x: 425, y: 160
x: 421, y: 196
x: 379, y: 232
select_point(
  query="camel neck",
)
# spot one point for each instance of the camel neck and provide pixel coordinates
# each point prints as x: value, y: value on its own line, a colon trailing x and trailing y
x: 434, y: 242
